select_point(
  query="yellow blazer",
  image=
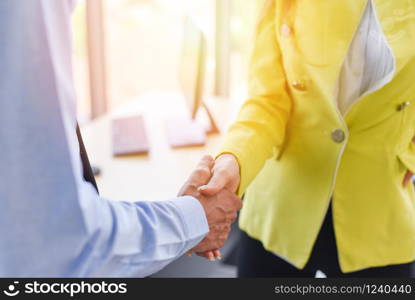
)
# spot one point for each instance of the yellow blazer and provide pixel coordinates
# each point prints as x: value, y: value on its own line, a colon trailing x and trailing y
x: 296, y: 151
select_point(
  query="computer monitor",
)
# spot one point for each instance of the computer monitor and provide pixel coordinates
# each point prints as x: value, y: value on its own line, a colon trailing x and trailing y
x: 192, y: 66
x: 193, y: 70
x: 185, y: 131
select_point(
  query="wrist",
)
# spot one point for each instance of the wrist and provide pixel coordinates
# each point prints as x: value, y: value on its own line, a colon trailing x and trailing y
x: 193, y: 215
x: 230, y: 160
x: 230, y: 163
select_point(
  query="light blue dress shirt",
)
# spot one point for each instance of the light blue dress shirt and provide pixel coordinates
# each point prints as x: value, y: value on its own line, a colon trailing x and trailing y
x: 52, y: 222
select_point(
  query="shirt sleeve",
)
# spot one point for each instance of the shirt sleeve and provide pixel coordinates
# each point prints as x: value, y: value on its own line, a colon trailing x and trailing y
x: 52, y: 222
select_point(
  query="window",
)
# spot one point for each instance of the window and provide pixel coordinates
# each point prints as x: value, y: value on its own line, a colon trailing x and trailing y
x: 144, y: 39
x: 242, y: 27
x: 141, y: 44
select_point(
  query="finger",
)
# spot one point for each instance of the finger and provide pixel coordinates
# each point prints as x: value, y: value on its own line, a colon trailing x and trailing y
x: 223, y: 238
x: 210, y: 255
x: 237, y: 201
x: 203, y: 171
x: 217, y: 254
x: 205, y: 254
x: 207, y: 162
x: 225, y: 227
x: 218, y: 181
x: 233, y: 217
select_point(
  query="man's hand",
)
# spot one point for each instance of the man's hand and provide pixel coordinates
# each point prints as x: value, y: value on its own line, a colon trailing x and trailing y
x: 225, y: 176
x: 221, y: 211
x: 221, y: 208
x: 199, y: 177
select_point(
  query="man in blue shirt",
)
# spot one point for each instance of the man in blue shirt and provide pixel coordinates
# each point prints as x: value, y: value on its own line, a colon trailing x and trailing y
x: 53, y: 222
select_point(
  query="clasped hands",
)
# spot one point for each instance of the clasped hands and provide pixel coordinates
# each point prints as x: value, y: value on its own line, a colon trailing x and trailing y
x: 214, y: 184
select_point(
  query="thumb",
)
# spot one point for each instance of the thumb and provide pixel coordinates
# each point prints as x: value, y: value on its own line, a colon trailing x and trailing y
x: 215, y: 185
x: 207, y: 161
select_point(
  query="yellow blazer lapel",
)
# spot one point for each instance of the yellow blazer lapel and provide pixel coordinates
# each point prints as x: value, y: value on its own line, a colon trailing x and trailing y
x: 342, y: 19
x: 397, y: 19
x: 324, y: 31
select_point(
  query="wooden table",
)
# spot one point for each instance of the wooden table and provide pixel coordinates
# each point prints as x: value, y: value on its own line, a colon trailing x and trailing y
x: 160, y: 174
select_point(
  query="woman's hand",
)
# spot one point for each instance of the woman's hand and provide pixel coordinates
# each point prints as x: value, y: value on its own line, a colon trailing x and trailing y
x: 225, y: 175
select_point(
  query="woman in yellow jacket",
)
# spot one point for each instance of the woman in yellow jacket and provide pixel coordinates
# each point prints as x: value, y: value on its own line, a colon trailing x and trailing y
x: 322, y: 149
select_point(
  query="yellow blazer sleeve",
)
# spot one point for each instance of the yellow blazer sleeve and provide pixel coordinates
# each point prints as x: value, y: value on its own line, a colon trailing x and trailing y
x: 260, y: 126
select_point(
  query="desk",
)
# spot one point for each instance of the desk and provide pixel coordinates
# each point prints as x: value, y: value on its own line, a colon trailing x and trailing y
x: 160, y: 174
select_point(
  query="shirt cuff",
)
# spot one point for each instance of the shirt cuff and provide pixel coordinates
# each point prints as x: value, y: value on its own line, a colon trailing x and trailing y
x: 193, y: 216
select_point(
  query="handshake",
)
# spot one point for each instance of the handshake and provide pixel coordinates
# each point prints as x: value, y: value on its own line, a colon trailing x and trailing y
x: 214, y: 184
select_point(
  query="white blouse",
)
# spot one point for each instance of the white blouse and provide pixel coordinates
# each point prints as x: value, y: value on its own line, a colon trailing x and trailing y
x: 369, y: 64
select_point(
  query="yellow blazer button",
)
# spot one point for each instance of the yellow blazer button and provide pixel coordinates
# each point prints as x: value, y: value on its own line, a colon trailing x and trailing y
x: 285, y: 30
x: 299, y: 85
x: 403, y: 105
x: 338, y: 136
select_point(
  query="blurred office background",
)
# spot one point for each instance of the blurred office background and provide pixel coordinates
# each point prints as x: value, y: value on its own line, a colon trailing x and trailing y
x: 126, y: 49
